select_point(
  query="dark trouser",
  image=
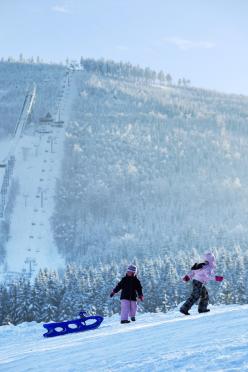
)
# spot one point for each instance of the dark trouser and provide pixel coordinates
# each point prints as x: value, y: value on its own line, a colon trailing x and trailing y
x: 199, y: 292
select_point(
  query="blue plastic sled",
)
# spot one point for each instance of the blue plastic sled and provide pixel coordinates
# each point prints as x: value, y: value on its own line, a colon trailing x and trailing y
x: 73, y: 326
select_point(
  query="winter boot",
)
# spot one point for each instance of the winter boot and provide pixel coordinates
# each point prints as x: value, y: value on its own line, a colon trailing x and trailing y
x: 184, y: 311
x: 204, y: 311
x: 125, y: 321
x: 133, y: 319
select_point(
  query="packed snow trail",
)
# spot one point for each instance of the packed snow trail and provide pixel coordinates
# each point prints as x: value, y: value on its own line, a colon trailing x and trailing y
x: 216, y: 341
x: 38, y: 161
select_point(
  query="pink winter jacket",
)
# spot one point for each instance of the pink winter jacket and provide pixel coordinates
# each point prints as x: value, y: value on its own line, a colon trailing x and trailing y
x: 206, y: 273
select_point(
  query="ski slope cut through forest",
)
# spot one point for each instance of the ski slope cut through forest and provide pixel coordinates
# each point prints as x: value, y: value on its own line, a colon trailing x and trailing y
x: 38, y: 156
x: 150, y: 168
x: 217, y: 341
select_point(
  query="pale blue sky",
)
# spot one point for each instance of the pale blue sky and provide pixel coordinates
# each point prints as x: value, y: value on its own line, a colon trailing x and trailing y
x: 203, y: 40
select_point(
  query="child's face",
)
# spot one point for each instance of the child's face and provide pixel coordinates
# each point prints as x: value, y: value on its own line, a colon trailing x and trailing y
x: 130, y: 273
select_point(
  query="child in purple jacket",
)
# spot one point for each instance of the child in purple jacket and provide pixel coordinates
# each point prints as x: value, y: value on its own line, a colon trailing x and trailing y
x: 130, y: 288
x: 201, y: 274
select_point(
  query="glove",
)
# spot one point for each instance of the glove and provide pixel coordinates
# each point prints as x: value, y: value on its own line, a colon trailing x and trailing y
x: 112, y: 294
x: 186, y: 278
x: 219, y: 278
x: 141, y: 298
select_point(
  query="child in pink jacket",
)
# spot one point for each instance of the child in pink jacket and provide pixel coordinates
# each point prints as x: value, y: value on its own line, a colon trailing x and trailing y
x: 201, y: 274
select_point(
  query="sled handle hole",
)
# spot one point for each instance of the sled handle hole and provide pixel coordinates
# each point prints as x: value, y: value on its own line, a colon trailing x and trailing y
x: 59, y: 329
x: 72, y: 326
x: 90, y: 321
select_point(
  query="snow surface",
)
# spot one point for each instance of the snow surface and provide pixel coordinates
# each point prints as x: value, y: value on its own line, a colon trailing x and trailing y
x: 38, y: 156
x: 216, y: 341
x: 4, y: 149
x: 2, y: 170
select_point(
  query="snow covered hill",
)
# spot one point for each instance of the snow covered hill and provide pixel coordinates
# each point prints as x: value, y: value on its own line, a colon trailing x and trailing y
x: 217, y: 341
x: 38, y: 156
x: 149, y: 171
x: 15, y: 79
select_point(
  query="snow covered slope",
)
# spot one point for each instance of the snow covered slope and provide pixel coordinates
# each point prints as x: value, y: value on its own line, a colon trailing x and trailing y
x: 15, y: 79
x: 217, y: 341
x: 150, y: 170
x: 38, y: 162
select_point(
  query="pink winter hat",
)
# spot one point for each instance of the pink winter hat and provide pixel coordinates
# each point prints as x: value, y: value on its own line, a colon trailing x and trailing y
x: 132, y: 269
x: 209, y: 257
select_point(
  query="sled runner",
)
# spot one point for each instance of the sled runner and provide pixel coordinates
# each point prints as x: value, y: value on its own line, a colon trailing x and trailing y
x: 84, y: 323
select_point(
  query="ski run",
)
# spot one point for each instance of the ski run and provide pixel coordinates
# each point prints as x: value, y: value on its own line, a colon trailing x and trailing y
x: 216, y: 341
x: 38, y: 161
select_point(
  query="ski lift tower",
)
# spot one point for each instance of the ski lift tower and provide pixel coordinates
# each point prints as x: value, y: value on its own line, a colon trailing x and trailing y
x: 31, y: 264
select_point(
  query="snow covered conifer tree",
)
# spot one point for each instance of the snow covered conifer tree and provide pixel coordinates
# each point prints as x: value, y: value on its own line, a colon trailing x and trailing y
x: 24, y: 301
x: 4, y: 298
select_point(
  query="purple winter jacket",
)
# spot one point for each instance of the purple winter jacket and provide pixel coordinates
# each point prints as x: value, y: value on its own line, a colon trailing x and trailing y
x: 206, y: 273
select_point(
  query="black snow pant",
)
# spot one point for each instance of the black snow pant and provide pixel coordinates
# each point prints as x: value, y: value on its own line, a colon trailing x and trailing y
x: 199, y: 292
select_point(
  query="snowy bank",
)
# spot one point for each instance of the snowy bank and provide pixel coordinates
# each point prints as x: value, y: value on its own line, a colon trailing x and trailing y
x: 216, y: 341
